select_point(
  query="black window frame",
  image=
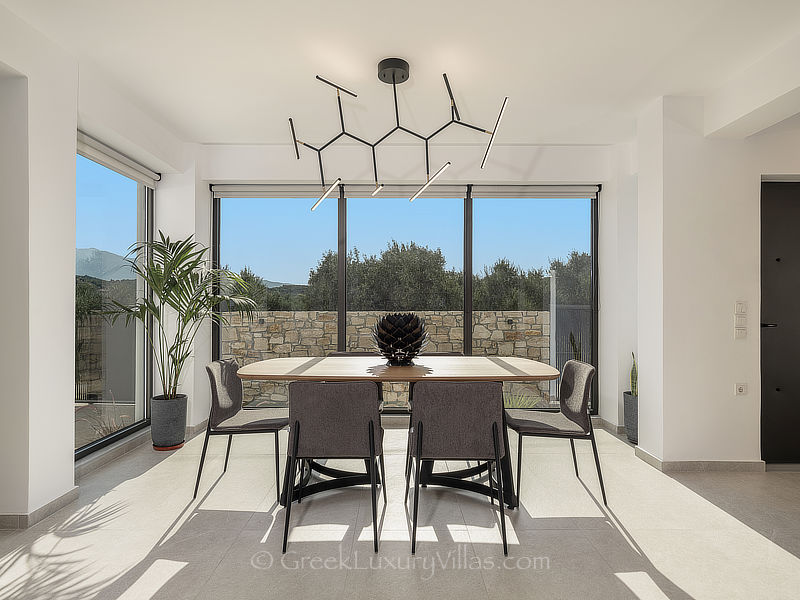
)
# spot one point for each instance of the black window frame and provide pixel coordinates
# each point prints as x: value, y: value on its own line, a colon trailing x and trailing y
x: 341, y: 308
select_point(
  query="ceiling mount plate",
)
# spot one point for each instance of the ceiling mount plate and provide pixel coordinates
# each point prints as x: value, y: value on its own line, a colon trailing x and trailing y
x: 393, y: 70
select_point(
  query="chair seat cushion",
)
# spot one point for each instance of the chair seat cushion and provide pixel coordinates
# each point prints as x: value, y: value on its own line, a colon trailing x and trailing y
x: 257, y: 419
x: 537, y: 421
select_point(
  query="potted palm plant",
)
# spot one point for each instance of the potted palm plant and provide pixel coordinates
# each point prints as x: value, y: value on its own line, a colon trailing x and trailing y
x: 631, y: 405
x: 183, y: 294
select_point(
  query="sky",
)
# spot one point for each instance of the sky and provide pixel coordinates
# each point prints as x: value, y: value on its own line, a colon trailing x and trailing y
x: 281, y: 239
x: 106, y: 207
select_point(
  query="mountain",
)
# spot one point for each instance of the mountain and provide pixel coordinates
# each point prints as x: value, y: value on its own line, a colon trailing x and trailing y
x: 101, y: 264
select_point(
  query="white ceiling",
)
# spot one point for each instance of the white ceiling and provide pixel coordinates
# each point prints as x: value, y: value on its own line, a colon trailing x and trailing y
x: 576, y: 71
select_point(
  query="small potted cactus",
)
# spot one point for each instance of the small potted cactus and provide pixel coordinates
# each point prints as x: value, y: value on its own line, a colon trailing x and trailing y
x: 631, y: 405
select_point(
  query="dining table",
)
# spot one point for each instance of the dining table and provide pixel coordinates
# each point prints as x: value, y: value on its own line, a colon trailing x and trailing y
x: 424, y: 368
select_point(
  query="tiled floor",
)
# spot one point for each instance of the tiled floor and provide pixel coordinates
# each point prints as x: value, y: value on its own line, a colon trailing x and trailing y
x: 135, y: 533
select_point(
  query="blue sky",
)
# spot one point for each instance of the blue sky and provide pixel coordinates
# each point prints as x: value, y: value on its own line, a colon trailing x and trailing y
x: 106, y: 208
x: 280, y: 239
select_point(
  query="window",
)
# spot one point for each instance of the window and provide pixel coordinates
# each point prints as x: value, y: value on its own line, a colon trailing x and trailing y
x: 111, y: 361
x: 529, y: 291
x: 532, y: 285
x: 289, y: 257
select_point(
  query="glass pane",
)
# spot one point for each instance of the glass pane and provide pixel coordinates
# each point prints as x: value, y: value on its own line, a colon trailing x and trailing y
x: 405, y: 257
x: 532, y: 286
x: 288, y: 256
x: 109, y: 359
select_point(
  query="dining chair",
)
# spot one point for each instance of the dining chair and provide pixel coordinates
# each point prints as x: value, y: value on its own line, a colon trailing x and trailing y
x: 572, y: 421
x: 456, y: 421
x: 336, y: 421
x: 227, y: 416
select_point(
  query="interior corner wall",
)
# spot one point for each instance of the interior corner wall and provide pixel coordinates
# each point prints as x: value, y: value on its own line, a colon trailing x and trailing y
x: 49, y: 258
x: 14, y: 314
x: 617, y: 283
x: 183, y: 208
x: 699, y: 253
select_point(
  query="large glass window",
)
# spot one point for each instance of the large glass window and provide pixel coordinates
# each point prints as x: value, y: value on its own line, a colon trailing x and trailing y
x: 532, y: 285
x: 110, y: 360
x: 288, y: 255
x: 405, y: 257
x: 531, y: 275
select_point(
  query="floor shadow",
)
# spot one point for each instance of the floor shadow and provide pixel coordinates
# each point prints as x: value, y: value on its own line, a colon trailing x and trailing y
x: 38, y: 569
x: 767, y: 502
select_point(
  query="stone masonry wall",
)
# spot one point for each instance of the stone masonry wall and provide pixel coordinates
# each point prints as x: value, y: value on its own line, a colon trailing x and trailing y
x: 272, y: 334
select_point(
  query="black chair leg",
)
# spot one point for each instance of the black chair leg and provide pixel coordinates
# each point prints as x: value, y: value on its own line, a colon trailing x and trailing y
x: 416, y: 489
x: 290, y: 478
x: 383, y: 478
x: 501, y: 489
x: 408, y: 469
x: 202, y: 460
x: 373, y: 485
x: 599, y: 472
x: 277, y: 471
x: 519, y: 467
x: 491, y: 481
x: 300, y: 481
x: 574, y: 458
x: 227, y: 453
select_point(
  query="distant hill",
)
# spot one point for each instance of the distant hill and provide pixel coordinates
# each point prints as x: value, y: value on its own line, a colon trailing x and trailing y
x: 101, y: 264
x: 274, y: 284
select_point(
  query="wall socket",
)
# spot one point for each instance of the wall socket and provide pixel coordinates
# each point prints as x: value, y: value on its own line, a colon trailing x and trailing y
x: 741, y: 389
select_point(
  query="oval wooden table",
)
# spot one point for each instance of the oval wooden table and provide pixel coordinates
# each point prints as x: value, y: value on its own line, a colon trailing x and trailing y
x: 425, y: 368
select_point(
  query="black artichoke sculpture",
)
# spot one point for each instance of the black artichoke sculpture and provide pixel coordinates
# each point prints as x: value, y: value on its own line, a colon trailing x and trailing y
x: 400, y: 337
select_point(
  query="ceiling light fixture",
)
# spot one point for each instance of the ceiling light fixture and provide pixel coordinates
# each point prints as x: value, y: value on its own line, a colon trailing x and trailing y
x: 327, y: 193
x: 392, y: 71
x: 430, y: 181
x: 491, y: 139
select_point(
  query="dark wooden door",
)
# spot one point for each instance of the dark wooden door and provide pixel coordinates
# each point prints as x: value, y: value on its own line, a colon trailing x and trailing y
x: 780, y: 322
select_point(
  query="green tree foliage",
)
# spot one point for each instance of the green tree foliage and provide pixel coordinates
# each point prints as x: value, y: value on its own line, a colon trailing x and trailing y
x: 508, y: 287
x: 284, y: 297
x: 573, y: 279
x: 88, y: 297
x: 408, y: 277
x: 404, y: 277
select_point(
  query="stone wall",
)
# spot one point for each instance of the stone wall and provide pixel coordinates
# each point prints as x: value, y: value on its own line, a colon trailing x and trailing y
x: 272, y: 334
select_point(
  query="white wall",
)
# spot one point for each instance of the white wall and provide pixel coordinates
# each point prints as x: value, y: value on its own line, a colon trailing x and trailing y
x: 49, y: 258
x: 183, y: 208
x: 703, y: 257
x: 14, y: 268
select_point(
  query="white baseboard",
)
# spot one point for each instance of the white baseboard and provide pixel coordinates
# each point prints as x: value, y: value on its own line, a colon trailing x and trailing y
x: 698, y: 466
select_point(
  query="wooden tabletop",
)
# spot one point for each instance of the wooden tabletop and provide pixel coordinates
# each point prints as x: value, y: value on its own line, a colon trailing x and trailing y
x: 434, y: 368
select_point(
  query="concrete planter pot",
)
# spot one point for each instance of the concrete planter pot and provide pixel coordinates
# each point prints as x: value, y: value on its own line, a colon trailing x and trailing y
x: 631, y: 414
x: 168, y: 422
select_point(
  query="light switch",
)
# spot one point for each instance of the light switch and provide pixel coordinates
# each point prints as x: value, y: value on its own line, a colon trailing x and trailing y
x: 740, y: 333
x: 740, y: 308
x: 740, y: 321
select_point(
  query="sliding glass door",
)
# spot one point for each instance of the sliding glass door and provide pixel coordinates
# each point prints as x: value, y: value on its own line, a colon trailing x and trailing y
x: 112, y: 213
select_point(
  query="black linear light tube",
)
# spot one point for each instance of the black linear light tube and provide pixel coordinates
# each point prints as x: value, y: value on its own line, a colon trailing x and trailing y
x: 481, y: 129
x: 338, y: 87
x: 452, y: 99
x: 321, y: 171
x: 341, y: 113
x: 294, y: 139
x: 396, y: 110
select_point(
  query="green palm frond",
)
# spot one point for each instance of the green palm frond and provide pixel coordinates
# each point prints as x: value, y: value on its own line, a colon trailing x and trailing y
x: 184, y: 293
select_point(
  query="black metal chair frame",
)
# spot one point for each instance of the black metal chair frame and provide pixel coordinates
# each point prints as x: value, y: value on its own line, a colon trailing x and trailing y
x: 230, y: 432
x: 373, y: 463
x: 563, y: 435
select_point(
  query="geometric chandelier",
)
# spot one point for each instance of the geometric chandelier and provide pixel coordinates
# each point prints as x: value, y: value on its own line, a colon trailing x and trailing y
x: 392, y: 71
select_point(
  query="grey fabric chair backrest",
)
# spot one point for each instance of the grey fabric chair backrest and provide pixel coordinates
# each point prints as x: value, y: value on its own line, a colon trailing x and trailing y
x: 226, y: 390
x: 576, y: 382
x: 457, y: 419
x: 334, y: 418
